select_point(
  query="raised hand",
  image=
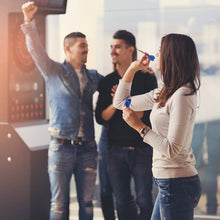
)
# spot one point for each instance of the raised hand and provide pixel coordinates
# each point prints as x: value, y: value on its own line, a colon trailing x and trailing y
x: 29, y: 9
x: 135, y: 66
x: 141, y: 64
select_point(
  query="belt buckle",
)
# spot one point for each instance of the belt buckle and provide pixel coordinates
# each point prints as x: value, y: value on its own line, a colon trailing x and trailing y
x: 79, y: 141
x: 128, y: 148
x: 76, y: 142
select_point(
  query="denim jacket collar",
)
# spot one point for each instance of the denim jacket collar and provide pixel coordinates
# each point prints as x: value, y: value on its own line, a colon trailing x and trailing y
x: 71, y: 71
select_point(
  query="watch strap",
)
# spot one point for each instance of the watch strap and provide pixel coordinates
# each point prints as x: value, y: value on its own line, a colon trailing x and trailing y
x: 144, y: 131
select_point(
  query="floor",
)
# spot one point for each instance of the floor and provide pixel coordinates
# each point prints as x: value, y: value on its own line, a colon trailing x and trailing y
x: 200, y: 209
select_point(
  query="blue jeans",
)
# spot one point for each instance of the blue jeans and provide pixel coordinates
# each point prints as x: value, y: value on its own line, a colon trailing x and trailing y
x: 105, y: 185
x: 63, y: 161
x: 122, y: 165
x: 177, y: 198
x: 106, y: 192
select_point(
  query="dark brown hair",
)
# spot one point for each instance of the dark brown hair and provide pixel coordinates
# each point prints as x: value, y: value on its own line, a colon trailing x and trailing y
x: 71, y: 38
x: 179, y: 65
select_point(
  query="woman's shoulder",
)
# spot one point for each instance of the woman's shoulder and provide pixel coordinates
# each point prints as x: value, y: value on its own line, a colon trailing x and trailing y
x: 184, y: 89
x: 183, y: 96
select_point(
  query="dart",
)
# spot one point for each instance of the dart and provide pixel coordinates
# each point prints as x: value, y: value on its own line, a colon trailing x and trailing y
x: 151, y: 57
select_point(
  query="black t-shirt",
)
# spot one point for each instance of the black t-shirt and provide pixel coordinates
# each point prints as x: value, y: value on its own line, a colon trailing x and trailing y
x: 119, y: 132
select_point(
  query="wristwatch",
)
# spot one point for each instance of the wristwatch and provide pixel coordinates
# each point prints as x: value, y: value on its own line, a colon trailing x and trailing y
x: 144, y: 131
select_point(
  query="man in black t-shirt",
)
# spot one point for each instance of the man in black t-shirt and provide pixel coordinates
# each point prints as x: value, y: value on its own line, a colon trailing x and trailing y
x: 127, y: 155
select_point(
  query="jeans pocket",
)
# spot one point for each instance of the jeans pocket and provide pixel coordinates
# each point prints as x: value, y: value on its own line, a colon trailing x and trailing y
x: 92, y: 145
x: 89, y: 147
x: 192, y: 189
x: 162, y: 183
x: 164, y: 191
x: 55, y: 146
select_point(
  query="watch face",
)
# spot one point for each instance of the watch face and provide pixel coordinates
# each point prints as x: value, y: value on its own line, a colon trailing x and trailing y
x: 143, y: 131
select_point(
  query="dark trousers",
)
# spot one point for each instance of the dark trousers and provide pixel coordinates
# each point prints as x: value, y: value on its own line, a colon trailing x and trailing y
x: 123, y: 163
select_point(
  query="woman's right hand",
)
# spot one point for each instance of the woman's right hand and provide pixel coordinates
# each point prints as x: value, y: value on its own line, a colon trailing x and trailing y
x: 135, y: 66
x: 141, y: 64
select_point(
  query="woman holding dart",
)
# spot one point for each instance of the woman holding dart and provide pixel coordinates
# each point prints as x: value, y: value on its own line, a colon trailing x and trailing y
x: 172, y: 118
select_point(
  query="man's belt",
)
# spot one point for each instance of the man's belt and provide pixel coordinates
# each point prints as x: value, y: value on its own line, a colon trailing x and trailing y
x: 78, y: 141
x: 128, y: 148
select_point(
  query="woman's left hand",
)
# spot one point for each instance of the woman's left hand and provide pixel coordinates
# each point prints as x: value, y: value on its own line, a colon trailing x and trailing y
x: 132, y: 119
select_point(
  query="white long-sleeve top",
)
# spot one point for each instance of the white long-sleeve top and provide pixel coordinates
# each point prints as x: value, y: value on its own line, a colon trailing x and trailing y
x: 172, y: 129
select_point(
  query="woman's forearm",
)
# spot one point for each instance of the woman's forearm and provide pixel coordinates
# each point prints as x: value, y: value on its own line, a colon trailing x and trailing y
x: 129, y: 74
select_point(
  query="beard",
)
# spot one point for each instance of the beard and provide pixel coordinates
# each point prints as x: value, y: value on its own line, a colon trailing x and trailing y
x: 84, y: 59
x: 114, y: 62
x: 114, y: 58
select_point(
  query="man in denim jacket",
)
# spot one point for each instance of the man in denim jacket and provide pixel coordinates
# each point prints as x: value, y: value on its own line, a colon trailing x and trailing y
x: 70, y: 87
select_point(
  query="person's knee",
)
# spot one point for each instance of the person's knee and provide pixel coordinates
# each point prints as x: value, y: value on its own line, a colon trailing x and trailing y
x: 106, y: 191
x: 86, y: 204
x: 125, y: 201
x: 145, y: 202
x: 58, y: 207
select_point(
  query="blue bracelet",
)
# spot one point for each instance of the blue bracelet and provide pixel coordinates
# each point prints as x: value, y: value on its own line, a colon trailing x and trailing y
x: 127, y: 102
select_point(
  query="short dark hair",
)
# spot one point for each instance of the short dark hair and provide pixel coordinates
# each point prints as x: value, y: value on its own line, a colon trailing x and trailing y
x: 129, y: 39
x: 73, y: 35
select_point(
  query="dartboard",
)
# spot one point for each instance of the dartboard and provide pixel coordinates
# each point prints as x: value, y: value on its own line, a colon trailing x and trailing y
x: 22, y: 55
x: 40, y: 2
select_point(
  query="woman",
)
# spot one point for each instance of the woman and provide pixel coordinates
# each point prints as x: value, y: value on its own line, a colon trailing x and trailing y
x: 172, y: 118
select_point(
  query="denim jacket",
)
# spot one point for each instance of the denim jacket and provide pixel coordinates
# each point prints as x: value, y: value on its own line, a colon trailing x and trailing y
x: 68, y: 108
